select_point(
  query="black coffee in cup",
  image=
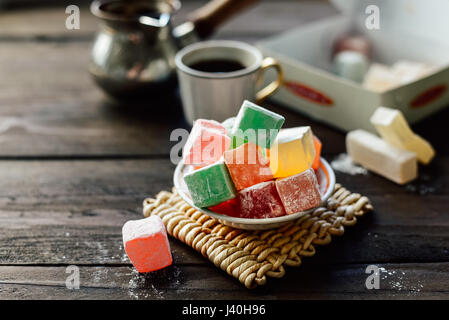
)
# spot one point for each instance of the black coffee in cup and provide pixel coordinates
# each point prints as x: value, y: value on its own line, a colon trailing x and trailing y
x: 217, y: 65
x: 216, y: 76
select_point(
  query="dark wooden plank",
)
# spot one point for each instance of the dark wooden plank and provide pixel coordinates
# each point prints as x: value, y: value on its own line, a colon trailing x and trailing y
x: 64, y: 212
x: 50, y: 106
x: 397, y: 281
x: 261, y: 19
x: 44, y: 23
x: 55, y: 184
x: 43, y: 185
x: 100, y: 243
x: 72, y: 212
x: 77, y: 244
x: 62, y: 113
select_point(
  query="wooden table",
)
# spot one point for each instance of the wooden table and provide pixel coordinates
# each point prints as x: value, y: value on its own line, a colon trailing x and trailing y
x: 73, y: 169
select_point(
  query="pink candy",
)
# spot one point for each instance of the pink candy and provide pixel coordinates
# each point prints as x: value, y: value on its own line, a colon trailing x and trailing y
x: 146, y: 244
x: 261, y: 201
x: 299, y: 192
x: 206, y: 143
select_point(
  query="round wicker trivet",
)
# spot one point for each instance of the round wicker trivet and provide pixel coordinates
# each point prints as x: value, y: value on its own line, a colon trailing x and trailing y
x: 252, y: 256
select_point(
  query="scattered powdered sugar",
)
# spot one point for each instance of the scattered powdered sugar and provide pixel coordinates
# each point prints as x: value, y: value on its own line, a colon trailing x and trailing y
x: 150, y: 285
x: 343, y: 163
x: 133, y: 286
x: 140, y: 288
x: 100, y: 249
x: 397, y: 280
x: 124, y: 257
x: 142, y: 228
x: 420, y: 189
x: 428, y: 182
x: 103, y: 278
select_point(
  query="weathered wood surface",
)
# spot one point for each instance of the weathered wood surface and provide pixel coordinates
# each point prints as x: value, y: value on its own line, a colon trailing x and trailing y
x: 398, y: 281
x: 74, y: 168
x: 71, y: 212
x: 49, y: 105
x: 266, y: 18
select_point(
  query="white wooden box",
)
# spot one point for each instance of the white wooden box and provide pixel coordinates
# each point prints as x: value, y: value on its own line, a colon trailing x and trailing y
x: 413, y: 30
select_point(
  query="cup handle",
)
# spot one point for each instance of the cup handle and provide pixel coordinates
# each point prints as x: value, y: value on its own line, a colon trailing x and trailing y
x: 264, y: 93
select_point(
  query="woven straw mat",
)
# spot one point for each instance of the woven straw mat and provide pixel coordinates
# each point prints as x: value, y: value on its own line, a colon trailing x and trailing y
x: 253, y: 256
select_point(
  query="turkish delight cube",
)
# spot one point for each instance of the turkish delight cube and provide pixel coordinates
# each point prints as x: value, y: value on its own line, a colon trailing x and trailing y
x: 261, y: 201
x: 299, y: 192
x: 247, y: 166
x: 257, y: 125
x: 206, y: 143
x: 146, y: 244
x: 210, y: 185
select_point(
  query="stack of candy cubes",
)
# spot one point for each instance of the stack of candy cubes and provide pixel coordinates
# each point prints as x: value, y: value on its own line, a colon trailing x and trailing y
x: 249, y: 167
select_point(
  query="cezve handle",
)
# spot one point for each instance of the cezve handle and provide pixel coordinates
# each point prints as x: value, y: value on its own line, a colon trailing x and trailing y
x: 207, y: 18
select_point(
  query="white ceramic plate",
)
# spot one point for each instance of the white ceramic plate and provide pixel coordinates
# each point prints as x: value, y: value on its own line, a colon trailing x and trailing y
x: 326, y: 180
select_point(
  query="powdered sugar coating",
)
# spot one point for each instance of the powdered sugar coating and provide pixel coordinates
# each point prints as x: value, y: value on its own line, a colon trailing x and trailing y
x: 261, y: 201
x: 211, y: 124
x: 142, y: 228
x: 299, y: 192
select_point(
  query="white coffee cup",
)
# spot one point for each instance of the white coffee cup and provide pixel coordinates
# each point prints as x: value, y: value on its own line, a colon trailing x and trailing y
x: 219, y: 95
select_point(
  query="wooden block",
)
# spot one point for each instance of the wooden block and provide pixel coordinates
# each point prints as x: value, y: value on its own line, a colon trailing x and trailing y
x: 381, y: 157
x: 393, y: 128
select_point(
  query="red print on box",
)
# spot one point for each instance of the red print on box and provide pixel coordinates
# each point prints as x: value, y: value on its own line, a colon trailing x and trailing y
x: 428, y: 96
x: 308, y: 93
